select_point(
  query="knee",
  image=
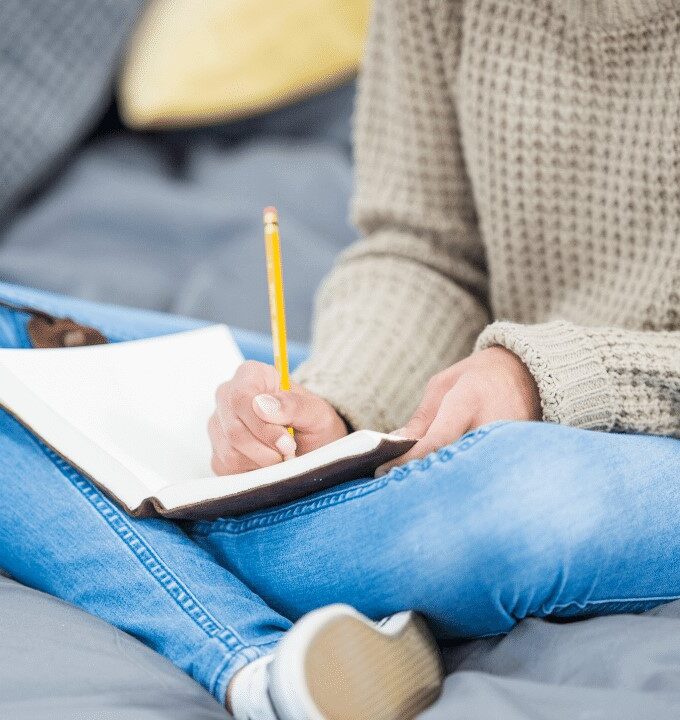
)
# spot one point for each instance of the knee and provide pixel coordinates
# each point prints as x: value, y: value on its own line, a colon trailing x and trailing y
x: 524, y: 505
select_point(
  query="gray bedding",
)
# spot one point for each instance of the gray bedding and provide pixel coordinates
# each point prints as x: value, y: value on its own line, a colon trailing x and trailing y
x: 58, y: 663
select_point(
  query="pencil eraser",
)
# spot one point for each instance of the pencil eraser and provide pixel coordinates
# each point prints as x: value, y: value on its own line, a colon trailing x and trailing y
x: 270, y: 215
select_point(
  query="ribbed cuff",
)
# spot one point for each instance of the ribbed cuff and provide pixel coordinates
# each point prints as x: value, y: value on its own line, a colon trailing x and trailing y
x: 572, y: 378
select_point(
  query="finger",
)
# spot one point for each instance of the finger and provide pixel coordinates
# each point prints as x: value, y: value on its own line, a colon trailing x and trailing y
x: 218, y: 440
x: 251, y: 376
x: 234, y: 464
x: 258, y: 376
x: 267, y: 434
x: 422, y: 418
x: 226, y: 460
x: 301, y: 410
x: 453, y: 418
x: 240, y: 438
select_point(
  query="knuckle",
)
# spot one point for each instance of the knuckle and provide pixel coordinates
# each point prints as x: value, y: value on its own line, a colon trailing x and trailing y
x: 233, y: 433
x: 294, y: 403
x: 419, y: 416
x: 269, y: 434
x: 251, y: 369
x: 216, y: 465
x: 241, y: 399
x: 471, y: 380
x: 434, y: 383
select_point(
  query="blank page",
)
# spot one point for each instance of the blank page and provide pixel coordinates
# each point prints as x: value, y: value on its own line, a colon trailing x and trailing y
x: 134, y: 410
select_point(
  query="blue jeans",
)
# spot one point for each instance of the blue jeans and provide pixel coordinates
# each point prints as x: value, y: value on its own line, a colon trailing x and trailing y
x: 513, y: 520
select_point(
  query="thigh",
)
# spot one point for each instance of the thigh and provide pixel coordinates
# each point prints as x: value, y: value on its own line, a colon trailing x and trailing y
x: 513, y: 520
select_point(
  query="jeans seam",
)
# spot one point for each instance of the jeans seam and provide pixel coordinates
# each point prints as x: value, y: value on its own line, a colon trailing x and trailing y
x: 590, y: 603
x: 175, y: 589
x: 231, y: 526
x: 246, y: 653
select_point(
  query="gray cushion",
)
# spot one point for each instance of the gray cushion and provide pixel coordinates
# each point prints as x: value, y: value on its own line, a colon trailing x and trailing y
x: 59, y: 663
x: 58, y: 62
x: 624, y: 666
x: 173, y: 221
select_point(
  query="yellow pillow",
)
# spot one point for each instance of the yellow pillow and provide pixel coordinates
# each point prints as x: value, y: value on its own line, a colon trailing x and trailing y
x: 193, y: 62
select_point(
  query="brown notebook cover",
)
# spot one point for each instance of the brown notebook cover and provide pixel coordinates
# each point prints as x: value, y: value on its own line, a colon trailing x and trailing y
x: 283, y: 491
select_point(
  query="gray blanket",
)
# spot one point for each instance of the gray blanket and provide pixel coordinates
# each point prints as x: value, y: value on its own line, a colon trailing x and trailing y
x: 57, y: 663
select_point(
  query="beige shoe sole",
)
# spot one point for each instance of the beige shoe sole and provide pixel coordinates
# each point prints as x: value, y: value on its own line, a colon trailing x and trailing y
x: 355, y: 671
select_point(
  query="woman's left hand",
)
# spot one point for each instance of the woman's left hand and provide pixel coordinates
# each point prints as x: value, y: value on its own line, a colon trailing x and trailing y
x: 493, y: 384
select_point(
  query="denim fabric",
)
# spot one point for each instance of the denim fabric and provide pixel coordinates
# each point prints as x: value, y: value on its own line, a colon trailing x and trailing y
x: 512, y: 520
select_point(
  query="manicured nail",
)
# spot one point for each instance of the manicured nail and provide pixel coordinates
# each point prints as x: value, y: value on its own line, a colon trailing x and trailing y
x: 401, y: 431
x: 286, y: 446
x: 268, y: 404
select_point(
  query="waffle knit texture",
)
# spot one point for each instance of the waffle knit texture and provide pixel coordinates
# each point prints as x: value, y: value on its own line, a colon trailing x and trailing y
x: 518, y: 184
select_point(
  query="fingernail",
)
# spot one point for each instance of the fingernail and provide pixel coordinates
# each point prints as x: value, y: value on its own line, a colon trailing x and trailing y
x: 382, y: 470
x: 401, y: 431
x: 268, y: 404
x: 286, y: 445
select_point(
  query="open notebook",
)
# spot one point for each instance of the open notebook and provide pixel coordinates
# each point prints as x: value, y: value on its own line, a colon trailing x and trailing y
x: 132, y: 416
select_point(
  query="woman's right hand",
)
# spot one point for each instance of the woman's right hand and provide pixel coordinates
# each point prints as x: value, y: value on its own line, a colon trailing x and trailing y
x: 248, y: 429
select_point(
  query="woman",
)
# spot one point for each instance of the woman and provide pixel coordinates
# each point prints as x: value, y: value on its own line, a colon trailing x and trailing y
x: 517, y: 161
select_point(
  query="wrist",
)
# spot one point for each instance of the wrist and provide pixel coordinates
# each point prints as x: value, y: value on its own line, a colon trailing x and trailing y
x: 571, y: 378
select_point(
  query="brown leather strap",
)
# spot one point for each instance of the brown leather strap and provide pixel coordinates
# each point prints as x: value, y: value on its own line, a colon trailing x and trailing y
x: 50, y: 331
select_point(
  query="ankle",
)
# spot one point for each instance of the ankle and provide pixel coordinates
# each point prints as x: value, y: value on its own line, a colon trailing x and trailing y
x: 246, y: 696
x: 230, y: 690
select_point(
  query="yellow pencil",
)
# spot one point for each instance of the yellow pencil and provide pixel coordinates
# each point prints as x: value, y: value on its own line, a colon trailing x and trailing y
x: 277, y: 308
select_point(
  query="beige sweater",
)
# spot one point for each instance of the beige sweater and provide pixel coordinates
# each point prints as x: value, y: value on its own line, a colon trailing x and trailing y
x: 517, y: 161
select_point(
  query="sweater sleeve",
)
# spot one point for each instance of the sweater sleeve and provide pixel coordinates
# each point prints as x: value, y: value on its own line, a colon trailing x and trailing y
x: 599, y: 378
x: 409, y: 298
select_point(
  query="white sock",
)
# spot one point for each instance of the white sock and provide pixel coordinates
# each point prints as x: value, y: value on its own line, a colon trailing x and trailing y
x: 249, y: 694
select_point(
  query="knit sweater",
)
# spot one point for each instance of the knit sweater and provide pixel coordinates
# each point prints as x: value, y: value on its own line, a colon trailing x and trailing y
x: 518, y: 184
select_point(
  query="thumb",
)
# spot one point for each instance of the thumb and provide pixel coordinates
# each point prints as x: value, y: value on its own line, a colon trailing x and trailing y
x: 301, y: 410
x: 425, y: 413
x: 452, y: 419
